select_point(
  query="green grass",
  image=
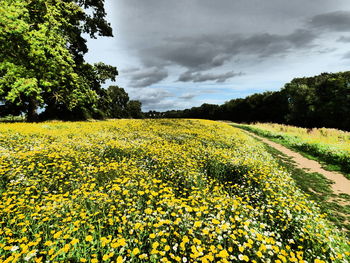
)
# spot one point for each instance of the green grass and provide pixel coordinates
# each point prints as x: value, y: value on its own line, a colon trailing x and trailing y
x: 318, y: 189
x: 11, y: 118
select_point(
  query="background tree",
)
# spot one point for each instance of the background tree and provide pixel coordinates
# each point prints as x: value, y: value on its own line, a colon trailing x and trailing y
x: 319, y: 101
x: 95, y: 76
x: 333, y: 101
x: 301, y: 99
x: 133, y: 109
x: 113, y: 102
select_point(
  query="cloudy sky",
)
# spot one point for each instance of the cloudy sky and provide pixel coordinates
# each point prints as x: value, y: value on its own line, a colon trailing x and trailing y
x: 178, y: 54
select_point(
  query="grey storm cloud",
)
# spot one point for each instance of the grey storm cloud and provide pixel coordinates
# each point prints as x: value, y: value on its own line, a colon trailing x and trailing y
x: 188, y: 96
x: 200, y: 36
x: 338, y: 21
x: 199, y: 77
x: 206, y: 52
x: 152, y: 95
x: 190, y: 44
x: 146, y: 77
x: 266, y: 45
x: 344, y: 39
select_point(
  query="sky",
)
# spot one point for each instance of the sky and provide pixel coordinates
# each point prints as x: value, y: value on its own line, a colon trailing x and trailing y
x: 179, y: 54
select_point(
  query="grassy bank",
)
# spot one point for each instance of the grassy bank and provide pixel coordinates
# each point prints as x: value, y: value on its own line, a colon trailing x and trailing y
x: 328, y: 146
x: 318, y: 188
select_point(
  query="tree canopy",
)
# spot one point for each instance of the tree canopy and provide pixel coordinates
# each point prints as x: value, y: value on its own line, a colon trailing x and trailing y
x: 42, y: 57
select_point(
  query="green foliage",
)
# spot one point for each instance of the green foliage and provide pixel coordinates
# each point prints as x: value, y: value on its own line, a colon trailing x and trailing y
x: 331, y: 154
x: 323, y: 100
x: 114, y: 102
x: 41, y: 59
x: 133, y: 109
x: 34, y: 58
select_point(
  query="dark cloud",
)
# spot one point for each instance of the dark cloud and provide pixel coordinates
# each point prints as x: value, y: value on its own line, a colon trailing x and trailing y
x: 326, y: 50
x: 186, y: 42
x: 188, y: 96
x: 301, y: 38
x: 267, y: 45
x: 344, y: 39
x: 338, y: 21
x: 146, y: 77
x: 206, y: 52
x: 191, y: 52
x: 159, y: 19
x: 130, y: 70
x: 151, y: 96
x: 199, y: 77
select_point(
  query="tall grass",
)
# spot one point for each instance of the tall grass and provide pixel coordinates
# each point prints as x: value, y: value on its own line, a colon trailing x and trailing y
x: 329, y: 145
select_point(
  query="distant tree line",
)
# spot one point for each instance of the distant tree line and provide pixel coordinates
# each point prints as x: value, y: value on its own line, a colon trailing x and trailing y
x: 43, y: 74
x: 319, y: 101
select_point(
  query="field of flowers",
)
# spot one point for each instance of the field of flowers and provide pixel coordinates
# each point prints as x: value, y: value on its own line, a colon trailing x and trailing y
x: 330, y: 145
x: 152, y: 191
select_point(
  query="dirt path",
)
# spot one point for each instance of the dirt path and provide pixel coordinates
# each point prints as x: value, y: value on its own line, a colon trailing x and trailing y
x: 340, y: 185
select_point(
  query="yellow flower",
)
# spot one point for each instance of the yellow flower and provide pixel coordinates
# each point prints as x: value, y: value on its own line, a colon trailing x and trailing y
x: 120, y: 243
x: 243, y: 257
x: 223, y: 254
x: 57, y: 234
x: 198, y: 224
x: 215, y: 221
x: 74, y: 241
x: 185, y: 239
x: 48, y: 243
x: 66, y: 248
x: 155, y: 245
x: 89, y: 238
x: 136, y: 251
x: 120, y: 259
x: 148, y: 211
x: 143, y: 256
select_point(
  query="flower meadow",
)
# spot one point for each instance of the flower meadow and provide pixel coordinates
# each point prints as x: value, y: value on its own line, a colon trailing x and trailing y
x: 330, y: 145
x: 152, y: 191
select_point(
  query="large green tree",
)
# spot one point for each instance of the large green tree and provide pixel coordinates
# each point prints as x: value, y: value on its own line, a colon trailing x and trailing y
x: 134, y: 109
x: 42, y: 54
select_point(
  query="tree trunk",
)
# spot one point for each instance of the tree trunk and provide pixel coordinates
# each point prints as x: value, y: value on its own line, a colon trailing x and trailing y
x: 32, y: 114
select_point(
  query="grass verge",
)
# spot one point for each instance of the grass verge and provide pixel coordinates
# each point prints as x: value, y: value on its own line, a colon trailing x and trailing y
x: 318, y: 188
x: 328, y: 161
